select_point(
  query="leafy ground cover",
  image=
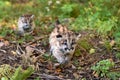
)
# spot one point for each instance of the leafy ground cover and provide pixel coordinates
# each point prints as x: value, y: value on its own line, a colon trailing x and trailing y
x: 97, y: 56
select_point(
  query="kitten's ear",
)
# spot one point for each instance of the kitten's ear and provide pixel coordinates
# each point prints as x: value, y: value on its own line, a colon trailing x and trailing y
x: 78, y: 35
x: 59, y: 36
x: 32, y: 16
x: 57, y: 22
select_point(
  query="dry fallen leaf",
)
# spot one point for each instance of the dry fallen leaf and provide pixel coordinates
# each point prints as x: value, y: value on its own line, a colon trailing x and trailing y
x: 91, y: 51
x: 13, y: 27
x: 76, y: 75
x: 33, y: 45
x: 1, y: 44
x: 13, y: 52
x: 95, y: 74
x: 29, y: 50
x: 50, y: 65
x: 58, y: 70
x: 34, y: 59
x: 6, y: 43
x: 56, y: 64
x: 101, y: 42
x: 112, y: 43
x: 1, y: 38
x: 46, y: 27
x: 73, y: 66
x: 111, y: 60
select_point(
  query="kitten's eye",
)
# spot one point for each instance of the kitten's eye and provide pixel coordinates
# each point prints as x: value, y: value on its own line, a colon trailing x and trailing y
x: 65, y: 43
x: 73, y: 42
x: 72, y: 48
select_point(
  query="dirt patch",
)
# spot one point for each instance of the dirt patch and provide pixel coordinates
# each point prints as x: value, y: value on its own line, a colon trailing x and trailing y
x: 79, y: 68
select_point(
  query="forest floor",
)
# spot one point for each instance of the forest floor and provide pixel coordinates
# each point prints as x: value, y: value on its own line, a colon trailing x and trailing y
x: 90, y: 50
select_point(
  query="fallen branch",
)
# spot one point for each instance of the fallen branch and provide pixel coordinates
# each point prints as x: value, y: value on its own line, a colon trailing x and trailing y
x: 115, y: 69
x: 3, y: 51
x: 117, y: 62
x: 39, y: 50
x: 48, y: 77
x: 19, y: 49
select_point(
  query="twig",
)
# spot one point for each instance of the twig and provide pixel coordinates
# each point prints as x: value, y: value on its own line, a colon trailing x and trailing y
x: 39, y: 50
x: 2, y: 50
x: 117, y: 62
x: 49, y: 77
x: 19, y: 48
x: 116, y: 69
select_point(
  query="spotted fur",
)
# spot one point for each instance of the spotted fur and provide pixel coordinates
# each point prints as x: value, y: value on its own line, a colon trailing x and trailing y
x: 25, y: 25
x: 62, y: 42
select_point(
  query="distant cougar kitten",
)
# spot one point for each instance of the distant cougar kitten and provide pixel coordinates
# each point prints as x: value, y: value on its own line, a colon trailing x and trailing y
x: 62, y: 42
x: 25, y: 24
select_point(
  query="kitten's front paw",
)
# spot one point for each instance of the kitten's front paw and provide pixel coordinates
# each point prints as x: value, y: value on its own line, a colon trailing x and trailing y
x: 61, y: 60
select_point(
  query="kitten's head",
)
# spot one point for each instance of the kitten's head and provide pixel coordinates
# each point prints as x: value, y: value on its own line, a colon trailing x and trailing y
x: 67, y: 39
x: 25, y: 23
x: 68, y: 42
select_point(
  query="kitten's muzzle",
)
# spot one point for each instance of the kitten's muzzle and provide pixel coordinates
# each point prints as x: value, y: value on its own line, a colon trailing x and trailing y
x: 27, y: 28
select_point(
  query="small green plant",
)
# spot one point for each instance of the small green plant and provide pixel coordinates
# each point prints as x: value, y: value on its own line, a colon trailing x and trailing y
x: 117, y: 36
x: 25, y: 38
x: 5, y: 31
x: 37, y: 78
x: 107, y: 46
x: 24, y: 73
x: 85, y: 44
x: 6, y: 71
x: 117, y: 55
x: 9, y: 73
x: 70, y: 10
x: 102, y: 68
x: 113, y: 75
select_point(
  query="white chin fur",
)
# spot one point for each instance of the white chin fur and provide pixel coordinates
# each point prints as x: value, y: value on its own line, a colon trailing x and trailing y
x: 62, y: 57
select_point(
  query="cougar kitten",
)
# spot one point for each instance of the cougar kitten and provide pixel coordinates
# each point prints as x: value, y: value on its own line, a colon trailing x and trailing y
x: 62, y: 42
x: 25, y: 25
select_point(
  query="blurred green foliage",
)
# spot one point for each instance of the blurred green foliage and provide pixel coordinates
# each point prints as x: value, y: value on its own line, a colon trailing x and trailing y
x: 9, y: 73
x: 99, y: 15
x: 24, y: 73
x: 117, y: 55
x: 103, y: 67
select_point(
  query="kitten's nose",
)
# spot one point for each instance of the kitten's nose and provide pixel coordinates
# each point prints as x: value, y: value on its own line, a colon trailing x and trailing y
x: 67, y: 49
x: 26, y: 27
